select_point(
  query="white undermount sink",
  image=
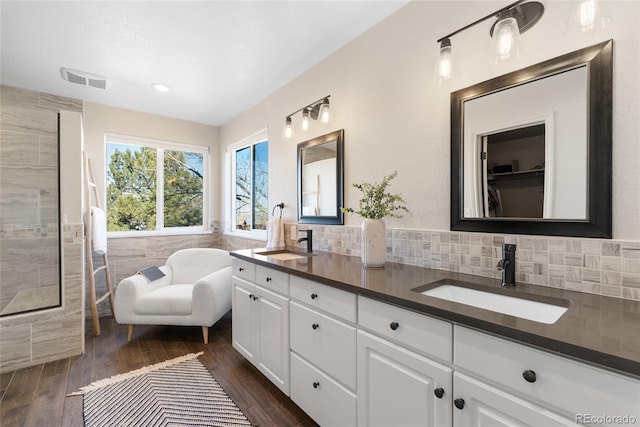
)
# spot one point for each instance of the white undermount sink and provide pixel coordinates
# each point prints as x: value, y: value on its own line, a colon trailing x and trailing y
x: 282, y: 255
x: 518, y: 307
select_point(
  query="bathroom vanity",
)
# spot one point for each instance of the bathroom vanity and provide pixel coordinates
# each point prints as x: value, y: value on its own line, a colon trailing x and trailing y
x: 356, y: 346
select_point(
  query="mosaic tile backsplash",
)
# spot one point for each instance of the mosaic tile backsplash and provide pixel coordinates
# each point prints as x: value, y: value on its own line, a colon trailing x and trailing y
x: 597, y: 266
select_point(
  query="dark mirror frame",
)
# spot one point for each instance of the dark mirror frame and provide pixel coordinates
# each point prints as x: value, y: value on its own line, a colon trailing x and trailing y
x: 598, y: 60
x: 338, y: 218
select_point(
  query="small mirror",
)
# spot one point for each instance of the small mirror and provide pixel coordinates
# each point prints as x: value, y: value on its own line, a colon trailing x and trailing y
x: 531, y: 150
x: 320, y: 179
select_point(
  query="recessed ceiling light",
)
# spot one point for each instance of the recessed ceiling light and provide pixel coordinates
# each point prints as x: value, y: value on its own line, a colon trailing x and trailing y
x: 160, y: 87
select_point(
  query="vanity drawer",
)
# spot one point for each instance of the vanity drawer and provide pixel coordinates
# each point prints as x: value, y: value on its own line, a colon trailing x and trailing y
x: 244, y: 269
x: 273, y: 280
x: 569, y: 386
x: 326, y: 401
x: 334, y: 301
x: 423, y: 333
x: 325, y: 342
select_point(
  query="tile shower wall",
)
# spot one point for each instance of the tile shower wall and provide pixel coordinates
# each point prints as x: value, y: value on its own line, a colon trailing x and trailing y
x: 47, y: 335
x: 596, y: 266
x: 28, y: 230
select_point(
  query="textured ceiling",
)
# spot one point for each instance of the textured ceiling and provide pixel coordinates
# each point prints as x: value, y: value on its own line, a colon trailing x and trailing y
x: 219, y: 57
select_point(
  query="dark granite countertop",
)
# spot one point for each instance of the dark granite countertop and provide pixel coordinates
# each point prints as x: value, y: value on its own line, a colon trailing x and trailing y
x: 599, y: 330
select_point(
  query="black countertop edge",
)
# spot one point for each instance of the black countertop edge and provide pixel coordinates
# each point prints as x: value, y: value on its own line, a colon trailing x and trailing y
x: 590, y: 356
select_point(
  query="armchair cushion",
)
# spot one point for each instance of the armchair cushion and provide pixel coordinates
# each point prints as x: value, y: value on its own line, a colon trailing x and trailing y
x: 168, y: 300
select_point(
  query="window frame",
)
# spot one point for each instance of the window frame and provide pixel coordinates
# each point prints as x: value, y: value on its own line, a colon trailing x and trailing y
x: 232, y: 149
x: 160, y: 146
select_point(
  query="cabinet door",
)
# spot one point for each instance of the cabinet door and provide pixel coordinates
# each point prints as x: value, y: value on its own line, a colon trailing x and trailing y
x: 272, y: 336
x: 397, y: 387
x: 243, y: 318
x: 478, y: 404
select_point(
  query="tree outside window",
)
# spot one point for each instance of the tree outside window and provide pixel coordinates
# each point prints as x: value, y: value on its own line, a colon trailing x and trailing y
x: 251, y: 187
x: 154, y: 188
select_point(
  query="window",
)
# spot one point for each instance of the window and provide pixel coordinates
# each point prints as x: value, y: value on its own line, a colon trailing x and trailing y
x: 155, y: 185
x: 249, y: 181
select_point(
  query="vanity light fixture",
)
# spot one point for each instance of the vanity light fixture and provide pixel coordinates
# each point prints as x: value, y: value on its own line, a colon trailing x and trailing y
x: 317, y: 110
x: 511, y: 21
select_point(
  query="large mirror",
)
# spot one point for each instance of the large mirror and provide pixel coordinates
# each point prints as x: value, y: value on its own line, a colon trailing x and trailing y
x: 531, y: 150
x: 320, y: 179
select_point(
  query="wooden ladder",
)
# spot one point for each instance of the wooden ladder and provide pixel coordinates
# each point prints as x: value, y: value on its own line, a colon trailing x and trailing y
x: 91, y: 192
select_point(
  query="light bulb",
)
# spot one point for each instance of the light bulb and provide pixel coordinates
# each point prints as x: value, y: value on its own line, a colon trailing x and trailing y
x: 586, y: 14
x: 288, y: 128
x: 505, y: 38
x: 324, y: 111
x: 305, y: 119
x: 445, y: 62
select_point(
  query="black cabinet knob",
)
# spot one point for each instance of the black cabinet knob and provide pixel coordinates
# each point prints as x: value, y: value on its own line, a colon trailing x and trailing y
x: 240, y: 269
x: 316, y: 384
x: 255, y: 298
x: 315, y: 326
x: 529, y: 376
x: 394, y: 325
x: 250, y: 296
x: 268, y: 279
x: 459, y: 402
x: 314, y: 296
x: 439, y: 392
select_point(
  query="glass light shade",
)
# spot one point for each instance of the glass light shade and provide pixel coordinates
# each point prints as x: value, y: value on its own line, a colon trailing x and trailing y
x: 305, y: 119
x: 506, y: 39
x: 587, y: 15
x: 288, y: 129
x: 324, y: 115
x: 445, y: 63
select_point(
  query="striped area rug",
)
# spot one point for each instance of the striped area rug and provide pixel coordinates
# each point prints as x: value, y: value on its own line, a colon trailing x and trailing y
x: 178, y: 392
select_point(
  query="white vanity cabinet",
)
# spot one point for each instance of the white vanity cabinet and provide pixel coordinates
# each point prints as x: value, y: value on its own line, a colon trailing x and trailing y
x: 323, y: 352
x: 398, y: 383
x: 260, y: 316
x: 509, y: 381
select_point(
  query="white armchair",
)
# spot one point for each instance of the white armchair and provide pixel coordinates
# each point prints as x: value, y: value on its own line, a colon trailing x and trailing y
x: 195, y: 291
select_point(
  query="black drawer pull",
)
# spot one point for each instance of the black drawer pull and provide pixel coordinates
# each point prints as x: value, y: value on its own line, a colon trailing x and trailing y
x: 241, y: 269
x: 316, y: 384
x: 459, y: 402
x: 394, y: 325
x: 315, y: 326
x: 268, y: 279
x: 250, y: 296
x: 255, y: 298
x: 439, y: 392
x: 314, y: 296
x: 529, y: 376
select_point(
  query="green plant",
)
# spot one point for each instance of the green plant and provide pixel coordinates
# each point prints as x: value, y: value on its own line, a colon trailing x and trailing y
x: 376, y: 203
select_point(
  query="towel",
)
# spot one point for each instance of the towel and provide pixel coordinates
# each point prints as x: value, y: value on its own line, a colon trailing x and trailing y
x: 98, y: 231
x: 275, y: 233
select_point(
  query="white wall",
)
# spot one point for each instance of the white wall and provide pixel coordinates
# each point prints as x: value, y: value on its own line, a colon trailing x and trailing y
x: 101, y: 119
x: 396, y: 118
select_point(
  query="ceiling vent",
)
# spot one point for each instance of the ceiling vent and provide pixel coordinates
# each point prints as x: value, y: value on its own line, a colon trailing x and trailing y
x: 84, y: 78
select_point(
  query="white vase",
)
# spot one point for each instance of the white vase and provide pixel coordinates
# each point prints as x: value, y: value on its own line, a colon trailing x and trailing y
x: 374, y: 243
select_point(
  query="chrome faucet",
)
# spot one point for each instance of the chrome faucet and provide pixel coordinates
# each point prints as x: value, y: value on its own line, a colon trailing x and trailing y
x: 308, y: 239
x: 507, y: 265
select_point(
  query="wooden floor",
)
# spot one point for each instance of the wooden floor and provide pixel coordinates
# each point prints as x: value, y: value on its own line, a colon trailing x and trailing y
x: 36, y: 396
